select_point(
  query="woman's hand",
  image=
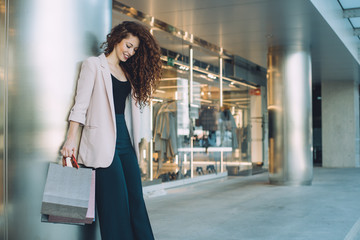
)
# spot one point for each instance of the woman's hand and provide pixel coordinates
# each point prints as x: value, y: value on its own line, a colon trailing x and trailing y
x: 70, y: 146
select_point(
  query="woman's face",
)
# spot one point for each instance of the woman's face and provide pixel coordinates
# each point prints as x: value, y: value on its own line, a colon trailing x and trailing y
x: 127, y: 47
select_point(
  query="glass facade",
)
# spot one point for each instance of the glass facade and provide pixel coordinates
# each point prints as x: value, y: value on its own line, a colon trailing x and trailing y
x: 200, y: 119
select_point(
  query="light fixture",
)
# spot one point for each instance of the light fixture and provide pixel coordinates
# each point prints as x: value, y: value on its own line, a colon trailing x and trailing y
x: 183, y: 68
x: 159, y: 91
x: 211, y: 76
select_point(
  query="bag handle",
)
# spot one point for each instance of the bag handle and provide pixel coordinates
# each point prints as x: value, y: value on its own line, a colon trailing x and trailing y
x: 73, y: 162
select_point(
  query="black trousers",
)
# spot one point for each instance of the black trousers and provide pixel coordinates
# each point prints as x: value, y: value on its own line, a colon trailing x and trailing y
x: 119, y: 198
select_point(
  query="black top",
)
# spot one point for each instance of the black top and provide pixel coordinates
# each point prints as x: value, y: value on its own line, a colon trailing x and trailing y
x: 120, y: 91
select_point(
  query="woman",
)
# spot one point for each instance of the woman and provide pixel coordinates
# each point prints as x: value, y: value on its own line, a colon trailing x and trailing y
x: 113, y: 89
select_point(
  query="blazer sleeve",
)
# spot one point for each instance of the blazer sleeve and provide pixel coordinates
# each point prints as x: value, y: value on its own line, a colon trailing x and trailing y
x: 84, y: 91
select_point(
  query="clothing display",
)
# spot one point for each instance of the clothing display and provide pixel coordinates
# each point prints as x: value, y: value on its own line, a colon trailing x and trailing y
x: 156, y: 108
x: 227, y: 124
x: 208, y: 118
x: 215, y: 123
x: 165, y: 131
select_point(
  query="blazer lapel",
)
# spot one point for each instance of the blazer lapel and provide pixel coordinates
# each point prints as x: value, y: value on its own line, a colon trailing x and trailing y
x: 108, y: 84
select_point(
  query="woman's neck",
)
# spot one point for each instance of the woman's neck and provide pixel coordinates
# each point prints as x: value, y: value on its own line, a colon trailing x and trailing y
x: 113, y: 59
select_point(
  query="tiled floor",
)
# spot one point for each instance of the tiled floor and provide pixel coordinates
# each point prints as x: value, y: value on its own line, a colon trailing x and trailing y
x: 249, y: 208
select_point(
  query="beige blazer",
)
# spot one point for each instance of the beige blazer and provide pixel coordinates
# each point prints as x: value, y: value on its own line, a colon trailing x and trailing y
x: 94, y: 109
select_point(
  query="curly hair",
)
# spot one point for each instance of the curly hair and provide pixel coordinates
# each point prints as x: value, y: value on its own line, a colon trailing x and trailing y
x: 143, y: 70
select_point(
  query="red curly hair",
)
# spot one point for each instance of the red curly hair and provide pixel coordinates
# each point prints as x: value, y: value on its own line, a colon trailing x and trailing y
x: 143, y: 70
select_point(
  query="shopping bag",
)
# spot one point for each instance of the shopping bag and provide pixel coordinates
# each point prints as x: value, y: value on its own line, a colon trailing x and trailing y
x: 67, y: 191
x: 90, y: 215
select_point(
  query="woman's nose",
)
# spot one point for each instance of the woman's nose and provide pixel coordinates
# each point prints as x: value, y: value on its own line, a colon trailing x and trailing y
x: 132, y: 52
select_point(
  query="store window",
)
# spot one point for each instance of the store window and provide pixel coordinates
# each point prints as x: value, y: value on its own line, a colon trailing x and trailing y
x: 171, y: 125
x: 205, y: 118
x: 236, y: 128
x: 194, y: 132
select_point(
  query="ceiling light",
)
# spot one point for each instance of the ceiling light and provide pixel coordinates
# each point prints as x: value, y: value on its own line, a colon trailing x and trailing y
x: 211, y: 76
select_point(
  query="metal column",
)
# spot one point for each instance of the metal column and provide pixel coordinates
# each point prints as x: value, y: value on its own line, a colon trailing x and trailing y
x: 290, y: 115
x: 4, y: 25
x: 42, y: 46
x: 191, y: 101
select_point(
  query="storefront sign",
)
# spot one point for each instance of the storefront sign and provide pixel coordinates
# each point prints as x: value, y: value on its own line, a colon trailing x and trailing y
x: 255, y: 92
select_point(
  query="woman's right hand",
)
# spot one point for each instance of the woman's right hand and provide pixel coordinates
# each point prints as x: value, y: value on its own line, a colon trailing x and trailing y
x: 69, y: 148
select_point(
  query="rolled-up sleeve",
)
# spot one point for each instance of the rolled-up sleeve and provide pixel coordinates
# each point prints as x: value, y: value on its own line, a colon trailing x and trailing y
x: 84, y: 90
